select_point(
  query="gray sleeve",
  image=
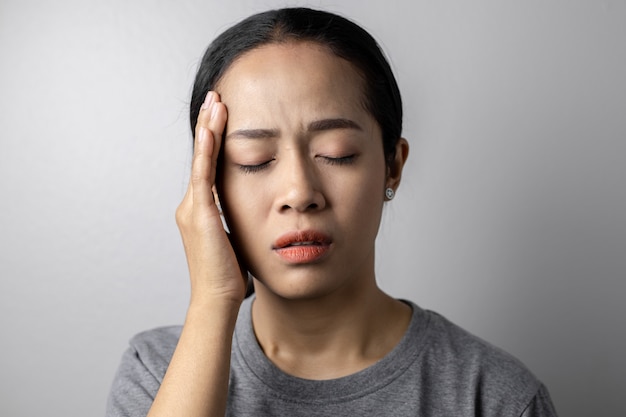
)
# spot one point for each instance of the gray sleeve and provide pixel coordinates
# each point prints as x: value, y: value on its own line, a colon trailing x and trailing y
x: 541, y: 405
x: 134, y: 388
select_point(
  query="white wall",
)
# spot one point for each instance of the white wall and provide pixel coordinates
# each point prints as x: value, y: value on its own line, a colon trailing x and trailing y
x: 511, y: 219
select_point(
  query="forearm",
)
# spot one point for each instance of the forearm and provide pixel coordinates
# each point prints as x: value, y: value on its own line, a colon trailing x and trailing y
x: 196, y: 381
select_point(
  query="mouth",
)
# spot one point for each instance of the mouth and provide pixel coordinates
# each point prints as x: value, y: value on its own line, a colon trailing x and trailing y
x: 302, y: 247
x: 302, y: 238
x: 311, y: 242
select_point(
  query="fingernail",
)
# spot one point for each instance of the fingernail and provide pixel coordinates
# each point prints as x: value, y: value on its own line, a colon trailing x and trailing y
x: 208, y: 100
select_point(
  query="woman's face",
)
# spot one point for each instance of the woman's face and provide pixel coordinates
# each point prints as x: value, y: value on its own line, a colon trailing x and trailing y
x: 303, y: 176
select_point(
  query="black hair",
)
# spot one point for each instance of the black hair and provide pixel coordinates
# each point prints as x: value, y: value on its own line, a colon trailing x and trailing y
x: 343, y: 37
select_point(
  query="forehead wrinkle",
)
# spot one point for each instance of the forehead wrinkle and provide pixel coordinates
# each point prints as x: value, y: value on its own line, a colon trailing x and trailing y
x: 315, y: 126
x: 292, y: 111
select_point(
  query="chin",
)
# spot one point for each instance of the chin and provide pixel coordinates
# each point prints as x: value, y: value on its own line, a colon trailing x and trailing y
x: 303, y: 287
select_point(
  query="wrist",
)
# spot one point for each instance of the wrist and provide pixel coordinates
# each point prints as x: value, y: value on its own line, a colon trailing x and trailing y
x: 212, y: 308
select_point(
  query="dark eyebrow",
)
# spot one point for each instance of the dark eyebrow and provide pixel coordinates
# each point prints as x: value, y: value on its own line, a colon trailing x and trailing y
x: 253, y: 134
x: 330, y: 124
x: 315, y: 126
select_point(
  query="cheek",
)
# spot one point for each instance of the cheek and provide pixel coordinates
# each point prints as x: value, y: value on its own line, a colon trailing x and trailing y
x: 359, y: 195
x: 235, y: 200
x: 241, y: 198
x: 243, y: 211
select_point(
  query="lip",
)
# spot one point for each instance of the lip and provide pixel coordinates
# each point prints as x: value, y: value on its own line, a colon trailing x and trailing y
x: 303, y: 246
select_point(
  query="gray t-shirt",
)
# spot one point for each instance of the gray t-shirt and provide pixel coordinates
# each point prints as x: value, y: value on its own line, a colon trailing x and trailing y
x: 437, y: 369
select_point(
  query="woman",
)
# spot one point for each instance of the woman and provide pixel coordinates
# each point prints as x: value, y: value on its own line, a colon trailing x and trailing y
x: 297, y: 126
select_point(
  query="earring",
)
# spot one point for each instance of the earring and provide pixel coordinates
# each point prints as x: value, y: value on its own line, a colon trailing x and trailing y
x: 390, y: 193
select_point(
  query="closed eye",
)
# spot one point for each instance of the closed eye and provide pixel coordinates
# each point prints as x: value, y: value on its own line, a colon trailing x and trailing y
x: 251, y: 169
x: 342, y: 160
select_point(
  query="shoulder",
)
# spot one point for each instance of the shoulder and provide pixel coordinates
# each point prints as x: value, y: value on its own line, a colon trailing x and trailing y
x: 478, y: 372
x: 141, y: 371
x: 154, y: 348
x: 458, y: 345
x: 157, y: 338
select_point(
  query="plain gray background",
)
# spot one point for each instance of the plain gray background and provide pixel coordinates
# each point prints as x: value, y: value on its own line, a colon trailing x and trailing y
x: 511, y: 219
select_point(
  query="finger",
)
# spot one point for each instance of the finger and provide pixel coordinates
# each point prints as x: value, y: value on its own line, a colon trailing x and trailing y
x: 200, y: 122
x: 217, y: 124
x: 201, y: 182
x: 201, y: 177
x: 204, y: 114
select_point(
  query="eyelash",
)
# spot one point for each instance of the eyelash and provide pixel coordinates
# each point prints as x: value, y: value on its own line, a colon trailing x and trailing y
x: 343, y: 160
x: 251, y: 169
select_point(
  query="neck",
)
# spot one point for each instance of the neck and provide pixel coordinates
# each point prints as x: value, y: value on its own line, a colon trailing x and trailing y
x: 329, y: 336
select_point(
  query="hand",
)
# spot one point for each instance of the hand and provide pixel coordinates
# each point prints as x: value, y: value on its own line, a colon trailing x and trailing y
x: 213, y: 266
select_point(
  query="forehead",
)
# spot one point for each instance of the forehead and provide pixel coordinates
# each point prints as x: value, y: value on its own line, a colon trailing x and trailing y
x: 292, y: 76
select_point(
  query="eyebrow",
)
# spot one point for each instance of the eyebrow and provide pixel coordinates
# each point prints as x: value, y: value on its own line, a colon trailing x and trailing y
x: 331, y: 124
x: 253, y: 134
x: 315, y: 126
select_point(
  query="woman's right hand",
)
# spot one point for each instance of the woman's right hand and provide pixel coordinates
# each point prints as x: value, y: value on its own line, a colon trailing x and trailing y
x: 196, y: 381
x: 215, y: 272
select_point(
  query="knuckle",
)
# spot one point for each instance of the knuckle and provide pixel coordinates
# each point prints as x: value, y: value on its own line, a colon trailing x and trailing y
x: 182, y: 215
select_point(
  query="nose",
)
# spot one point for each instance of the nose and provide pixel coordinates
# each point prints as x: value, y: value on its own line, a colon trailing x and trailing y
x: 299, y: 185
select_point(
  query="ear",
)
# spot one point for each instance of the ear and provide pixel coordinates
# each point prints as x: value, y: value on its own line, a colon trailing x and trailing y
x: 394, y: 170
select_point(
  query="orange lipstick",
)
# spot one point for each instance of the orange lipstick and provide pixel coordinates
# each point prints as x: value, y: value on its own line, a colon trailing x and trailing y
x: 302, y: 247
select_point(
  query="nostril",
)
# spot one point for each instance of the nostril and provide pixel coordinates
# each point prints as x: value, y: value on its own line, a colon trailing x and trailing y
x: 311, y: 206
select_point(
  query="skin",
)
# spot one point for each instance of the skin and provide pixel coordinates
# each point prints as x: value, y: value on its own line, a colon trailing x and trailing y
x: 285, y: 168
